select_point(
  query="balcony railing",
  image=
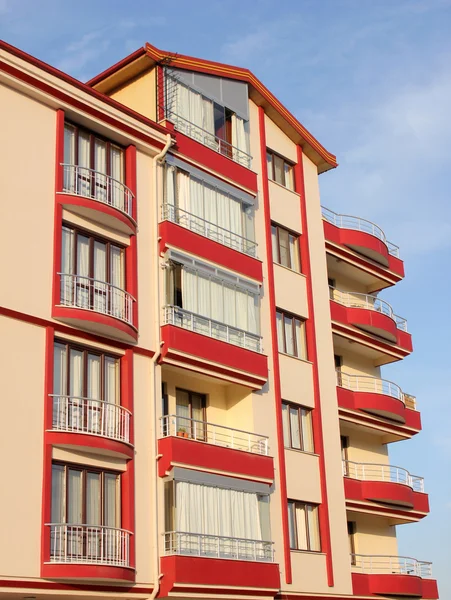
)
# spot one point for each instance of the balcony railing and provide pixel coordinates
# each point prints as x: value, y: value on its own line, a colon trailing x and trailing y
x: 209, y: 230
x: 93, y: 417
x: 89, y: 544
x: 92, y: 184
x: 216, y: 546
x: 218, y: 435
x: 78, y: 291
x: 367, y: 301
x: 374, y: 385
x: 377, y: 472
x: 173, y: 315
x: 397, y: 565
x: 358, y: 224
x: 209, y: 139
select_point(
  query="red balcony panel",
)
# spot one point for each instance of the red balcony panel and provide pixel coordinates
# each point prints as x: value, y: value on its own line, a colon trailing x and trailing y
x: 179, y: 237
x: 430, y: 589
x: 87, y: 572
x: 367, y: 584
x: 97, y: 323
x: 228, y: 168
x: 184, y: 573
x: 199, y: 352
x: 366, y: 245
x: 387, y: 492
x: 180, y: 450
x: 379, y: 405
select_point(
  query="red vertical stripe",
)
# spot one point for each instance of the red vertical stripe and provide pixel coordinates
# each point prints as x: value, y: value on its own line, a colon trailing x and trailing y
x: 313, y: 357
x: 275, y: 351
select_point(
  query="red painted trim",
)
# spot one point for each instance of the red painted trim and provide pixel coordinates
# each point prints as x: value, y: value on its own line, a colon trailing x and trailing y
x: 313, y: 357
x: 88, y: 317
x: 84, y: 440
x: 160, y: 92
x: 130, y: 178
x: 70, y: 571
x: 81, y: 86
x: 368, y: 507
x: 275, y: 352
x: 217, y: 573
x: 217, y: 162
x: 395, y: 351
x: 379, y: 324
x: 389, y: 492
x: 116, y: 67
x: 367, y: 584
x: 128, y: 477
x: 179, y: 237
x: 96, y: 207
x: 179, y: 450
x: 379, y: 424
x: 219, y: 352
x: 84, y: 587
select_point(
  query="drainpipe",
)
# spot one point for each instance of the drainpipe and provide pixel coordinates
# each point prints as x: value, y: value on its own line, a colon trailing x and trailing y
x: 155, y: 392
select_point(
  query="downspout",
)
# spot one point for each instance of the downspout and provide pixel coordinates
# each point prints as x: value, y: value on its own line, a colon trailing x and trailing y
x: 156, y: 393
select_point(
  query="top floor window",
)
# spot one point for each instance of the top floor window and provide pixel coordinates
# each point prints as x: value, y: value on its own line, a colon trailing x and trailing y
x: 207, y: 121
x: 280, y: 170
x: 285, y: 247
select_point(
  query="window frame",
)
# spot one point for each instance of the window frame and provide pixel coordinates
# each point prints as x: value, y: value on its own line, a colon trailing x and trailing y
x: 294, y: 534
x: 352, y: 530
x: 294, y: 318
x: 272, y: 170
x: 277, y: 228
x: 299, y: 408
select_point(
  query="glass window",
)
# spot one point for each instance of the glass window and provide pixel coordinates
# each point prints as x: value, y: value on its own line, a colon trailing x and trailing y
x: 280, y: 170
x: 304, y: 526
x: 297, y: 427
x: 291, y: 335
x: 285, y: 248
x: 190, y: 414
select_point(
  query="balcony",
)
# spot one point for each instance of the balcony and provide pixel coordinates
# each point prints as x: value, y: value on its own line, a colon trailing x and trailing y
x: 92, y: 423
x: 215, y: 348
x: 242, y: 453
x: 392, y: 576
x: 363, y: 238
x: 377, y: 397
x: 88, y: 551
x: 87, y: 192
x: 97, y: 305
x: 385, y: 484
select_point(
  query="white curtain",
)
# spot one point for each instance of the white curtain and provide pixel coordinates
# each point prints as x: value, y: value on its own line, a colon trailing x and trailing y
x: 210, y: 213
x: 295, y: 429
x: 236, y: 222
x: 67, y: 267
x: 286, y: 426
x: 82, y: 271
x: 239, y: 136
x: 253, y: 314
x: 59, y: 386
x: 117, y: 171
x: 223, y: 210
x: 117, y: 279
x: 208, y: 124
x: 217, y: 301
x: 110, y: 517
x: 280, y: 336
x: 69, y: 158
x: 94, y: 407
x: 183, y: 193
x: 75, y: 420
x: 203, y: 304
x: 301, y: 527
x: 196, y: 205
x: 241, y: 310
x: 170, y: 187
x: 182, y: 102
x: 111, y: 422
x: 229, y: 305
x: 189, y: 290
x: 93, y: 498
x: 100, y: 288
x: 74, y: 508
x: 196, y: 115
x: 307, y: 430
x: 84, y: 162
x: 100, y: 181
x: 58, y: 495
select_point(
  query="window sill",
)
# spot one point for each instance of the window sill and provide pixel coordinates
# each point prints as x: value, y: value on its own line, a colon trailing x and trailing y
x: 315, y: 552
x: 302, y: 451
x: 291, y: 270
x: 284, y: 187
x: 304, y: 360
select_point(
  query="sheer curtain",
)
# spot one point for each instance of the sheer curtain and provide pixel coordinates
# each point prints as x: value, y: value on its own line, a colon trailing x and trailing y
x: 76, y: 389
x: 208, y: 123
x: 100, y: 288
x: 196, y: 204
x: 295, y: 429
x: 117, y: 171
x: 94, y: 536
x: 189, y: 287
x: 239, y: 137
x: 69, y: 158
x: 210, y: 213
x: 183, y: 193
x: 286, y: 426
x: 84, y: 162
x: 182, y: 412
x: 59, y: 386
x: 170, y: 187
x: 94, y: 406
x: 58, y: 495
x: 196, y: 115
x: 117, y: 279
x: 111, y: 422
x: 82, y: 281
x: 100, y: 181
x: 67, y: 267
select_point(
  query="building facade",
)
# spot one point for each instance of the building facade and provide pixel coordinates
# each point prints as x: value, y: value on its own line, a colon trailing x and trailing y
x: 200, y: 346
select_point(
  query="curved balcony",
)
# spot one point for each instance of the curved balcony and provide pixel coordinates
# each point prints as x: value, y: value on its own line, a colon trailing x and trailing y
x: 392, y: 576
x: 363, y: 237
x: 88, y: 191
x: 97, y: 305
x: 370, y: 313
x: 384, y: 483
x: 86, y: 417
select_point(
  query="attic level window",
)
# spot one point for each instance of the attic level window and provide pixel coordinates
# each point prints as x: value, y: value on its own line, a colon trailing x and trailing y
x: 280, y: 170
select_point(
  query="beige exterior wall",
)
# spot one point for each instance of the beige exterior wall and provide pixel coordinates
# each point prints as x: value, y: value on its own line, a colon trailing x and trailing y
x: 140, y: 94
x: 365, y: 448
x: 296, y: 378
x: 291, y: 291
x: 279, y: 142
x: 285, y: 207
x: 374, y: 535
x: 309, y: 572
x: 303, y: 482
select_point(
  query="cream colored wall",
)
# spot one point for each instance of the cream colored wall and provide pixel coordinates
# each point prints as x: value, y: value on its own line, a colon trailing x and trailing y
x: 309, y: 573
x: 296, y: 378
x: 81, y: 457
x: 364, y: 447
x: 22, y: 356
x: 80, y: 221
x: 285, y: 207
x: 291, y: 291
x: 277, y: 141
x: 356, y: 364
x: 303, y: 481
x: 348, y: 285
x: 327, y: 384
x: 374, y: 536
x: 140, y: 94
x: 27, y: 158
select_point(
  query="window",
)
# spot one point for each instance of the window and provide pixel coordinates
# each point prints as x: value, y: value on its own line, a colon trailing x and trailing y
x: 297, y: 427
x: 291, y: 335
x: 190, y: 411
x: 95, y: 159
x: 86, y: 390
x: 338, y: 361
x: 304, y: 526
x: 92, y: 272
x: 208, y: 210
x: 344, y: 442
x: 285, y: 248
x: 351, y: 538
x: 280, y: 170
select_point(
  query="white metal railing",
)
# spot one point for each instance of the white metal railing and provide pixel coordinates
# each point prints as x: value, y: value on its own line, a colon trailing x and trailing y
x: 210, y: 433
x: 374, y: 385
x: 89, y: 183
x: 94, y: 417
x: 367, y: 301
x: 396, y: 565
x: 358, y: 224
x: 209, y: 139
x: 99, y: 296
x: 209, y: 230
x: 89, y: 544
x: 173, y: 315
x: 216, y: 546
x: 379, y: 472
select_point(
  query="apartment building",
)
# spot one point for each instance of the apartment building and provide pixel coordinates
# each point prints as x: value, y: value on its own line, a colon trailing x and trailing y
x: 194, y: 346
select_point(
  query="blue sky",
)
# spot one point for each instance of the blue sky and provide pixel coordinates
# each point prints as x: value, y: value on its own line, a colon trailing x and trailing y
x: 371, y: 79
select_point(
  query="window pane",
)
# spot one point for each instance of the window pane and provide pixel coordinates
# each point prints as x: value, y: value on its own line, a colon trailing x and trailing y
x: 292, y: 524
x: 286, y: 426
x: 280, y: 336
x: 76, y: 373
x: 110, y: 518
x: 313, y: 527
x: 275, y: 246
x: 269, y: 164
x: 301, y: 527
x: 289, y: 183
x: 59, y: 369
x: 288, y: 326
x: 278, y: 169
x: 295, y: 430
x: 74, y: 498
x: 111, y: 380
x: 294, y: 253
x: 58, y: 495
x: 300, y: 339
x: 284, y: 248
x: 93, y: 499
x: 307, y: 430
x: 94, y: 380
